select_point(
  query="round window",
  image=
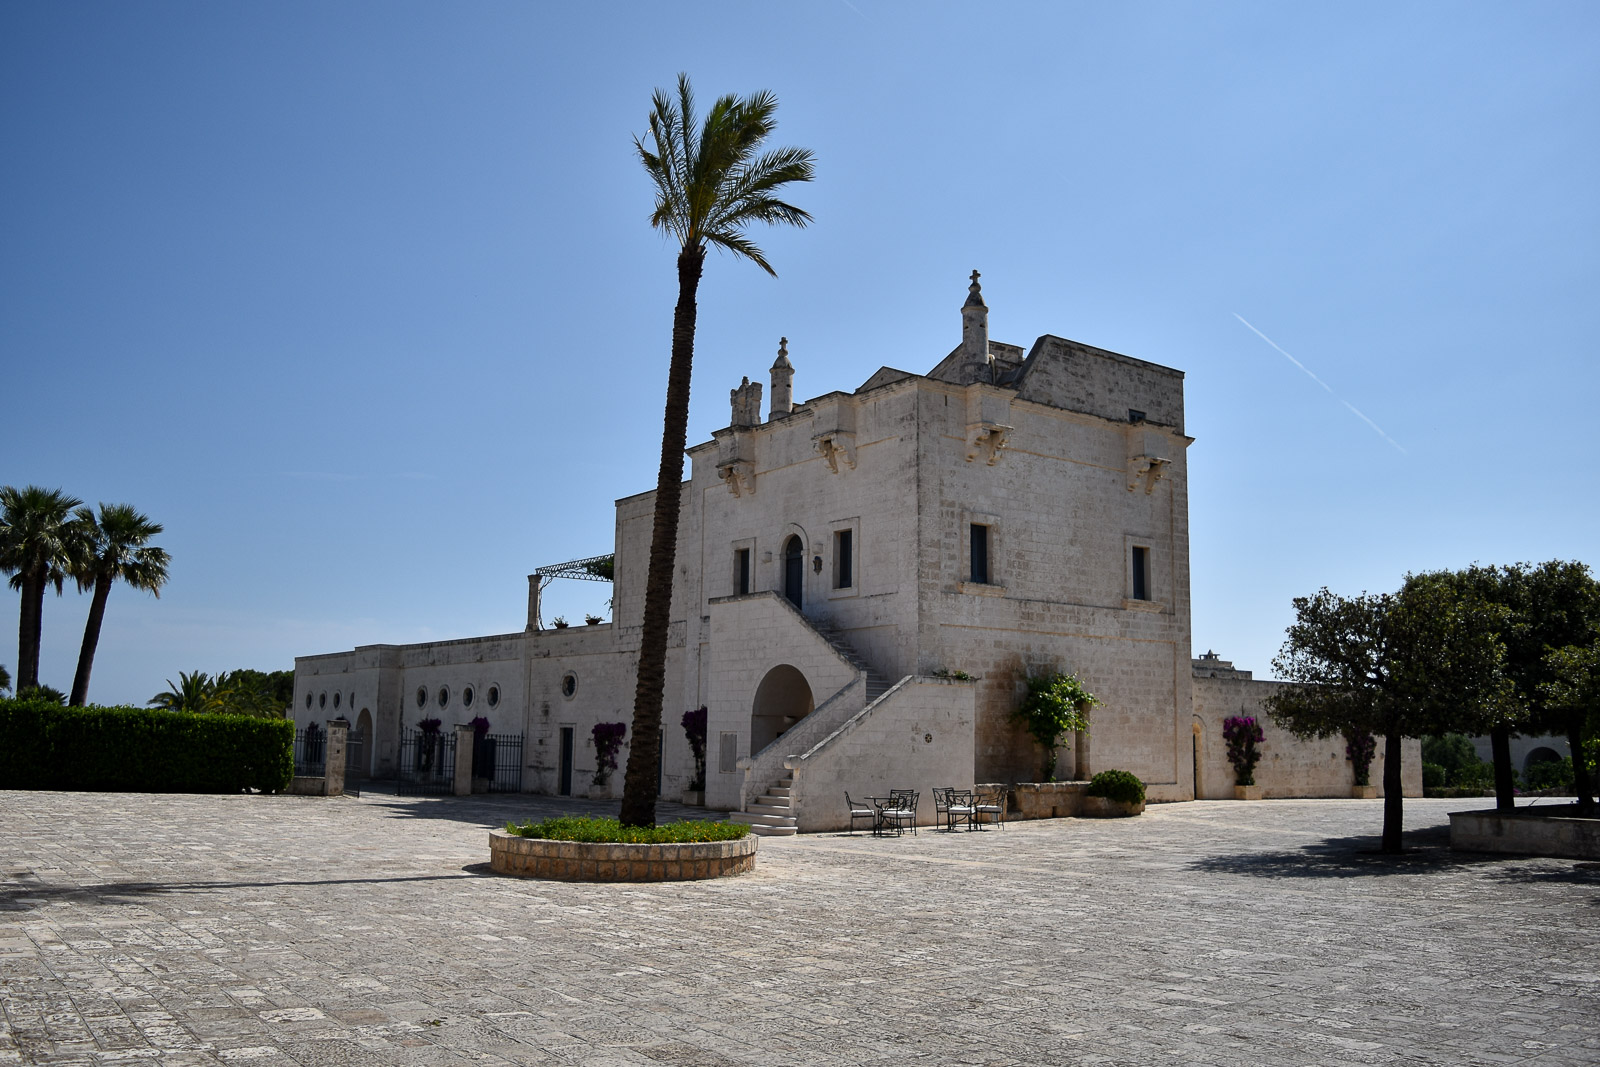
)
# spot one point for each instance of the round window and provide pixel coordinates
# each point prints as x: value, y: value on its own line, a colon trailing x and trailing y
x: 422, y: 696
x: 352, y: 700
x: 322, y: 700
x: 494, y: 696
x: 336, y: 699
x: 569, y: 684
x: 308, y: 701
x: 466, y: 697
x: 444, y: 695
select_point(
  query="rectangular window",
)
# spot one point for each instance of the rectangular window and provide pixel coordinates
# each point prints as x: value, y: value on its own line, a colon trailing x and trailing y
x: 1141, y: 573
x: 728, y: 752
x: 743, y: 570
x: 843, y: 568
x: 980, y: 554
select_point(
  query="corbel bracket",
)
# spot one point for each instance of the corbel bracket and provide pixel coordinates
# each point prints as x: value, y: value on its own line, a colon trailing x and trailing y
x: 835, y: 447
x: 739, y: 476
x: 986, y: 439
x: 1146, y: 470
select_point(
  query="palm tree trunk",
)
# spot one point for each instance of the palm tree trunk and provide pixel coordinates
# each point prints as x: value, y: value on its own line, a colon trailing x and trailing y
x: 640, y: 784
x: 29, y: 626
x: 91, y: 639
x: 1393, y: 804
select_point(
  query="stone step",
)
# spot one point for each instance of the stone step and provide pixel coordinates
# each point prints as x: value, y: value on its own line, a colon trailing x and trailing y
x: 774, y: 831
x: 768, y: 806
x: 750, y: 818
x: 780, y: 790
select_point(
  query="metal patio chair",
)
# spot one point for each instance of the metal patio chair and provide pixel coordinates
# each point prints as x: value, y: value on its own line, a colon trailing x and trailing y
x: 861, y: 811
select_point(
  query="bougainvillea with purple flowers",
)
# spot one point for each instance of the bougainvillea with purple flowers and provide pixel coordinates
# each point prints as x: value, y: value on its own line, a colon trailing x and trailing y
x: 694, y: 725
x: 1243, y: 734
x: 607, y: 742
x: 1359, y: 749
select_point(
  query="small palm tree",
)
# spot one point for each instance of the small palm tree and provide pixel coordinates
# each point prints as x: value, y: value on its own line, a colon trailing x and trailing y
x: 710, y: 184
x: 119, y: 548
x: 192, y: 693
x: 40, y: 544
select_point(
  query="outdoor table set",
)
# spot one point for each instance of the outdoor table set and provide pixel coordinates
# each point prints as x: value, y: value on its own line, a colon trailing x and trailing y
x: 891, y: 815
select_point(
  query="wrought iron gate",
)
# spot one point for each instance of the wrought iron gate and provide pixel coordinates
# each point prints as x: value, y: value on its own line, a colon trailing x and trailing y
x: 427, y: 764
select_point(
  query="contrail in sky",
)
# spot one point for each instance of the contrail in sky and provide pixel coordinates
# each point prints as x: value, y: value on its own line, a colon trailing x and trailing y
x: 1322, y: 383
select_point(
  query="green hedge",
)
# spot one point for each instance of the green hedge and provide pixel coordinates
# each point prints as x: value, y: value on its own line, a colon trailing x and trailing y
x: 595, y: 828
x: 141, y: 750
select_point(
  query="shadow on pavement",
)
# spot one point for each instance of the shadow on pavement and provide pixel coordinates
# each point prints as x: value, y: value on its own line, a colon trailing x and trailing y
x: 24, y: 897
x: 1426, y: 850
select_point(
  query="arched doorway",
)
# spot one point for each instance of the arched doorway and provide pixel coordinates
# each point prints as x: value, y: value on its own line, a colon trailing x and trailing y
x: 782, y: 699
x: 794, y: 570
x: 1540, y: 755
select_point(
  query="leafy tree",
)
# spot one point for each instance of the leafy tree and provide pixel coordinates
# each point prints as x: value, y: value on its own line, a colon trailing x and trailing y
x: 1573, y: 692
x: 40, y: 544
x: 5, y: 679
x: 241, y: 692
x: 118, y: 544
x: 48, y: 693
x: 1421, y: 661
x: 1055, y: 704
x: 1549, y: 606
x: 711, y: 182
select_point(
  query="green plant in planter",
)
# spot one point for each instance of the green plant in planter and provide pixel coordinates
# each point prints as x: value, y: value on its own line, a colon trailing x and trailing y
x: 1121, y: 786
x: 1055, y: 704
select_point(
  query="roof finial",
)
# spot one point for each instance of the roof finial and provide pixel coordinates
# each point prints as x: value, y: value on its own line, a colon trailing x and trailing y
x: 975, y: 293
x: 783, y: 353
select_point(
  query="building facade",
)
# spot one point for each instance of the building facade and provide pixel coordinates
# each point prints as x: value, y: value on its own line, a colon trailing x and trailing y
x: 865, y: 580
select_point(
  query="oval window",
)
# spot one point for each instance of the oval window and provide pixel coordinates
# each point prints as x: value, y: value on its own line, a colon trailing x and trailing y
x: 322, y: 700
x: 336, y: 697
x: 569, y: 684
x: 308, y: 701
x: 466, y: 697
x: 444, y: 695
x: 422, y: 696
x: 494, y: 696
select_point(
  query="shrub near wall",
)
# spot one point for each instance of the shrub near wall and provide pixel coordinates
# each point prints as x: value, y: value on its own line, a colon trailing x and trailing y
x: 46, y: 746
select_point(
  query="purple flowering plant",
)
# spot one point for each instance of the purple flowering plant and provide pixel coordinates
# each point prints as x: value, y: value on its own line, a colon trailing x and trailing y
x: 480, y: 726
x: 607, y: 742
x: 429, y: 726
x: 1243, y: 734
x: 1359, y: 749
x: 694, y: 726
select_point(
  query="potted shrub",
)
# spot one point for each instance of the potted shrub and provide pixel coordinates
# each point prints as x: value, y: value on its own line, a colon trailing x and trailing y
x: 592, y: 620
x: 694, y: 727
x: 559, y: 622
x: 1359, y: 749
x: 1113, y: 794
x: 607, y: 742
x: 1243, y: 734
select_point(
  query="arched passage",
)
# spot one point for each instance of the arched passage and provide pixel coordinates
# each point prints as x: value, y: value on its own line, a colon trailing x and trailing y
x: 794, y: 571
x: 1540, y: 755
x: 782, y: 699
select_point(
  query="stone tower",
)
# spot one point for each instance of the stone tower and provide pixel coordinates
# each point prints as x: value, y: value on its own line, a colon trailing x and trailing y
x: 975, y: 334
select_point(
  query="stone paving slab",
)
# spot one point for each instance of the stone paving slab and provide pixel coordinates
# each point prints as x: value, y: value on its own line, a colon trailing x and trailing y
x: 275, y: 931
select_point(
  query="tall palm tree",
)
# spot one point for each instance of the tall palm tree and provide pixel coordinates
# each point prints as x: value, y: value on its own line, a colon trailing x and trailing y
x: 40, y: 543
x: 711, y: 181
x: 119, y: 548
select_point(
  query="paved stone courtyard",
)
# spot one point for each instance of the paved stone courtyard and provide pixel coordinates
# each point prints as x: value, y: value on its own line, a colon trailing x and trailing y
x: 273, y: 931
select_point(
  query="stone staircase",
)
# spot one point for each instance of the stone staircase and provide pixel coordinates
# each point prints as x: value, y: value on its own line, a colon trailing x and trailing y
x: 877, y: 684
x: 770, y: 815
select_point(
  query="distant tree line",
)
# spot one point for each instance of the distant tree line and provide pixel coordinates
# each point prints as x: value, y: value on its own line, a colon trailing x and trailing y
x: 1484, y: 650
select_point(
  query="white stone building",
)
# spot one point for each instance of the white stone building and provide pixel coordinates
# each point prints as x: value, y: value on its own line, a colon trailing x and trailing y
x: 1006, y: 512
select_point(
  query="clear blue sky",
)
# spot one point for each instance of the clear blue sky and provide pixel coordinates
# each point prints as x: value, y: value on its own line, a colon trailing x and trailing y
x: 360, y: 299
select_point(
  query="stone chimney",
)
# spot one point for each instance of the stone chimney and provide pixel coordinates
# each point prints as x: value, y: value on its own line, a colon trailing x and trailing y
x: 746, y: 401
x: 975, y: 334
x: 782, y: 382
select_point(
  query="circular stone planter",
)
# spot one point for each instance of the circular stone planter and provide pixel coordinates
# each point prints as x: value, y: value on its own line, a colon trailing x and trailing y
x: 1106, y: 808
x: 582, y: 861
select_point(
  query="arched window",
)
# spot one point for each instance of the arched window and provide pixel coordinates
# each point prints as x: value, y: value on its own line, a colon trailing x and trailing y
x: 794, y: 570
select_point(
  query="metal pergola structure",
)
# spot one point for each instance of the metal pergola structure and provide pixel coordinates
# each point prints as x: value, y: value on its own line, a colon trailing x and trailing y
x: 581, y: 569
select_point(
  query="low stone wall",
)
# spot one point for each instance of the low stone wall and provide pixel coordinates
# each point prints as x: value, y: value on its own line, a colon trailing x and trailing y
x: 1527, y: 832
x: 1047, y: 800
x: 581, y: 861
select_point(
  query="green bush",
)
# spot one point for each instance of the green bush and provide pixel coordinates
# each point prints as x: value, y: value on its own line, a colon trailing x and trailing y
x: 611, y: 831
x: 1121, y: 786
x: 1433, y: 776
x: 1555, y: 774
x: 143, y: 750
